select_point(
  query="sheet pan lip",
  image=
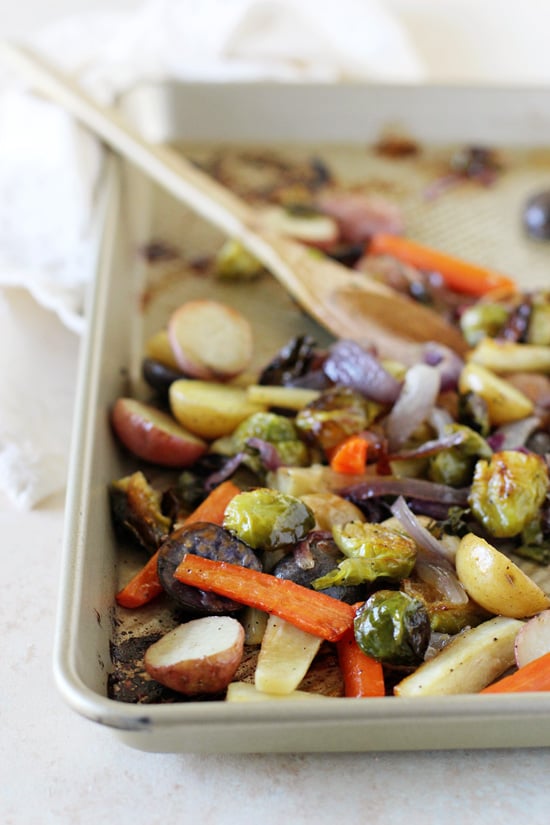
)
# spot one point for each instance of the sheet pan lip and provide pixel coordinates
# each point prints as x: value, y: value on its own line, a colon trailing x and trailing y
x: 101, y: 709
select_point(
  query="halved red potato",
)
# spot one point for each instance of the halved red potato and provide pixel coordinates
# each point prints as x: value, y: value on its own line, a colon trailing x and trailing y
x: 154, y: 435
x: 198, y: 657
x: 533, y: 640
x: 210, y: 340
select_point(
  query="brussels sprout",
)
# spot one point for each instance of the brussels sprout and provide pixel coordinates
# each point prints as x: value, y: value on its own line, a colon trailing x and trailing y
x: 336, y: 414
x: 508, y: 491
x: 481, y: 320
x: 455, y: 466
x: 393, y: 628
x: 267, y: 520
x: 234, y: 262
x: 277, y: 430
x: 136, y: 510
x: 373, y: 551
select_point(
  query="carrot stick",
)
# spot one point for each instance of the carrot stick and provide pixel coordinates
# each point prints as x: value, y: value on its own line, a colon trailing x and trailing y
x: 145, y: 585
x: 458, y: 275
x: 531, y: 677
x: 314, y: 612
x: 363, y: 675
x: 350, y: 457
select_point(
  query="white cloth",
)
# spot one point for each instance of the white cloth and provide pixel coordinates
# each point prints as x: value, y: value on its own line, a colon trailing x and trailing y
x: 50, y: 167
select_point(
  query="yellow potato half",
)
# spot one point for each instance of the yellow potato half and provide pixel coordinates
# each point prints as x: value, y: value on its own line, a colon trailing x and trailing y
x: 493, y: 581
x: 209, y: 409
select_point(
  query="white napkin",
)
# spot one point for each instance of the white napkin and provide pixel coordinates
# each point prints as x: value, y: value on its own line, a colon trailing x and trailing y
x: 50, y: 167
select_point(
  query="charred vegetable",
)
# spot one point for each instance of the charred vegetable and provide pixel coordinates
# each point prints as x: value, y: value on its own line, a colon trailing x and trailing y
x: 455, y: 466
x: 274, y: 429
x: 211, y: 542
x: 508, y: 491
x: 481, y: 320
x: 393, y: 628
x: 372, y: 552
x: 336, y: 414
x: 445, y: 617
x: 313, y: 558
x: 267, y: 520
x: 136, y: 509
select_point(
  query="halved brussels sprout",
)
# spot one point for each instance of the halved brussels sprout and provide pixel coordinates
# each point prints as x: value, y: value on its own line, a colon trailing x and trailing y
x: 266, y: 519
x: 508, y: 491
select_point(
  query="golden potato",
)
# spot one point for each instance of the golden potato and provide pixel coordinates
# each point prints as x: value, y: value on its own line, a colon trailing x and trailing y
x: 493, y: 581
x: 208, y: 409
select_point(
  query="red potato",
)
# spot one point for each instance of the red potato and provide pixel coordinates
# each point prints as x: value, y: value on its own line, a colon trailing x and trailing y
x: 154, y: 435
x: 310, y: 228
x: 210, y: 340
x: 533, y: 640
x: 198, y: 657
x: 359, y: 215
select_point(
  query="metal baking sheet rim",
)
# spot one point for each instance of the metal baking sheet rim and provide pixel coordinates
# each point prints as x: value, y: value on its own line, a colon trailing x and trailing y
x: 343, y: 725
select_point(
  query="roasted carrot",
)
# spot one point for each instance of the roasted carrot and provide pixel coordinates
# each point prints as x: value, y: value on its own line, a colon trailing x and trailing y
x: 363, y: 676
x: 531, y: 677
x: 350, y: 457
x: 458, y: 275
x: 145, y: 585
x: 314, y: 612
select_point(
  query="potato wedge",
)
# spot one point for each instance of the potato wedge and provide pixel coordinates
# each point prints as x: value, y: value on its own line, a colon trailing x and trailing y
x: 208, y: 409
x: 331, y: 510
x: 198, y: 657
x: 158, y: 347
x: 473, y: 660
x: 493, y: 580
x: 154, y: 435
x: 308, y: 227
x: 504, y: 402
x: 210, y: 340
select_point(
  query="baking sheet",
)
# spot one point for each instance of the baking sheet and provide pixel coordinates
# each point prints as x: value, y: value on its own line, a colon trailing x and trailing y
x: 133, y: 299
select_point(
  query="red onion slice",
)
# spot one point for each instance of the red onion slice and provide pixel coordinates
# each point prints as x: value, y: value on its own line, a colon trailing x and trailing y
x: 349, y: 364
x: 432, y: 565
x: 417, y: 488
x: 414, y: 405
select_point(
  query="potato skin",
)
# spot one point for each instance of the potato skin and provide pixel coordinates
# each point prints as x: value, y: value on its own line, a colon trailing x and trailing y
x: 197, y: 674
x: 153, y: 435
x: 211, y: 542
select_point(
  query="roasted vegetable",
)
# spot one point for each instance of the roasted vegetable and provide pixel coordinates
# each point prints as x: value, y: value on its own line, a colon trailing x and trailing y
x: 336, y: 414
x: 198, y: 657
x: 455, y: 466
x: 481, y: 320
x: 508, y: 491
x: 393, y: 628
x: 467, y: 663
x: 235, y: 263
x: 495, y: 582
x: 313, y: 558
x: 275, y: 429
x: 504, y: 402
x: 445, y: 617
x: 209, y: 541
x: 267, y: 520
x: 136, y: 509
x: 372, y: 552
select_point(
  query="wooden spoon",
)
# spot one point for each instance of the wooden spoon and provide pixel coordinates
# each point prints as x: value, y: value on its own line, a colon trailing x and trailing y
x: 349, y: 304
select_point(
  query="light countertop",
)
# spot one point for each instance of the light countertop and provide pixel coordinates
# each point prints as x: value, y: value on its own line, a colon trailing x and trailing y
x: 56, y: 767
